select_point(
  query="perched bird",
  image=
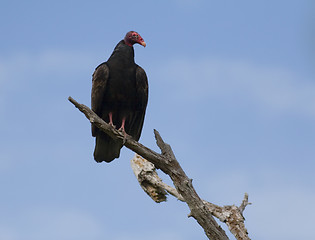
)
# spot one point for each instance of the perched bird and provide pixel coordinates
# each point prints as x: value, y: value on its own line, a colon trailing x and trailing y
x: 119, y: 96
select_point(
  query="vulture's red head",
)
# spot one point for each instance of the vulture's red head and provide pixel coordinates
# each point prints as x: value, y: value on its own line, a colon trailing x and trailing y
x: 133, y: 37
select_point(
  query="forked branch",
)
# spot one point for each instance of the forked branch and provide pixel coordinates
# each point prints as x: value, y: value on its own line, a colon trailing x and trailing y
x: 201, y: 210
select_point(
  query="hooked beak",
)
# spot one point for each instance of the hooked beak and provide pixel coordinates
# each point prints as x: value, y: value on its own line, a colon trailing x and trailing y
x: 143, y: 43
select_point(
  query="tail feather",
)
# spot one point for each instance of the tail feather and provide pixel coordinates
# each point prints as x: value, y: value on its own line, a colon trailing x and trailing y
x: 106, y: 148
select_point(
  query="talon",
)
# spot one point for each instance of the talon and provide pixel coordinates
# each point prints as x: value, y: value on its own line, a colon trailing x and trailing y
x: 122, y: 129
x: 111, y: 119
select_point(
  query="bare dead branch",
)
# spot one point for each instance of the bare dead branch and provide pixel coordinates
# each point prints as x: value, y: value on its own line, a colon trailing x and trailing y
x: 167, y: 162
x: 230, y: 215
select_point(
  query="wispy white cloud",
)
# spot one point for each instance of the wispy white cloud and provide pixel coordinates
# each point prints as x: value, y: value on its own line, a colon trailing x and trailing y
x: 25, y: 75
x: 268, y: 87
x: 190, y: 80
x: 282, y: 207
x: 49, y: 223
x: 24, y: 65
x: 6, y: 162
x: 6, y: 233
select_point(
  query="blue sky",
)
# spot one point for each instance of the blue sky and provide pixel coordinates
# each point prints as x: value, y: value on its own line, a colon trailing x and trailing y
x: 231, y: 89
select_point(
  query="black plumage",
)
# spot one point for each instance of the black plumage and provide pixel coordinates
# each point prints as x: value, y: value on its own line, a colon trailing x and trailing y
x: 119, y: 96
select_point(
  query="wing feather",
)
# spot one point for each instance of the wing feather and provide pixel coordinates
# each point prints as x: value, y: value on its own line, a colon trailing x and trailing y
x: 99, y: 82
x: 142, y: 100
x: 142, y: 87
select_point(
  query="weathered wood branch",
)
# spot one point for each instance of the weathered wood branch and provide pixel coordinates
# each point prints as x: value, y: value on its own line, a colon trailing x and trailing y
x: 152, y: 184
x: 167, y: 162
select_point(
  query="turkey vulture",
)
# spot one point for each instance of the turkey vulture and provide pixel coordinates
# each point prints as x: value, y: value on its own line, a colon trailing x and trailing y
x: 119, y: 96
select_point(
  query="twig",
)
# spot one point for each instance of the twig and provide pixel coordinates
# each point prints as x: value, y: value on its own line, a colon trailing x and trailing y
x: 244, y: 203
